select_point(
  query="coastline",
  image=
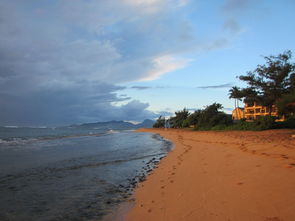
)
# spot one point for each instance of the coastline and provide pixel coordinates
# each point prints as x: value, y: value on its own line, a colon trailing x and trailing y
x: 232, y: 175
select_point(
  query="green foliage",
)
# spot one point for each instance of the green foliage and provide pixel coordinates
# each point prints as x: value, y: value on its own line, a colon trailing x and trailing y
x: 180, y: 119
x: 204, y: 119
x: 289, y: 123
x: 269, y: 82
x: 185, y: 123
x: 211, y: 117
x: 193, y: 118
x: 241, y: 125
x: 265, y: 123
x: 286, y: 105
x: 160, y: 123
x: 262, y: 123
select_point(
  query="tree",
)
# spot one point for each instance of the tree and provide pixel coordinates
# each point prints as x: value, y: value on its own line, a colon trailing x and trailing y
x: 236, y: 94
x: 194, y: 117
x: 179, y: 120
x: 212, y: 116
x: 268, y: 82
x: 160, y: 123
x: 286, y: 105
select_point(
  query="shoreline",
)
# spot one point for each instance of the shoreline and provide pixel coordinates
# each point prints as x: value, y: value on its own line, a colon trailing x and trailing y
x: 232, y: 175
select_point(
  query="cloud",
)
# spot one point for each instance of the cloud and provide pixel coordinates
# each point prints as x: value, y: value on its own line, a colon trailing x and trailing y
x: 135, y: 108
x: 154, y: 6
x: 232, y: 10
x: 232, y: 25
x: 83, y: 40
x: 235, y: 6
x: 163, y: 65
x: 71, y: 105
x: 141, y: 87
x: 149, y: 87
x: 227, y: 85
x: 60, y: 61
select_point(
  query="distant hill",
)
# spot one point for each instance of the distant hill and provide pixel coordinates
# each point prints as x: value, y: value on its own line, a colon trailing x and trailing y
x: 146, y: 124
x: 117, y: 125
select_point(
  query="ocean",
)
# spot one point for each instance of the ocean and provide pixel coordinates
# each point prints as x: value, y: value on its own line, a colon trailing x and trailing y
x: 72, y: 173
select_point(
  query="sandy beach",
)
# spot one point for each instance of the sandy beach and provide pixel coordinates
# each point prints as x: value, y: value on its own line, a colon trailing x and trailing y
x: 244, y: 176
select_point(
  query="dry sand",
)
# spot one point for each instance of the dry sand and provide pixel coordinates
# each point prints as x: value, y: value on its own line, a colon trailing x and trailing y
x: 232, y: 175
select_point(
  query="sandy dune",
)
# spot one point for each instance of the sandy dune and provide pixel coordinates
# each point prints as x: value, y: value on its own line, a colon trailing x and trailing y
x: 221, y: 176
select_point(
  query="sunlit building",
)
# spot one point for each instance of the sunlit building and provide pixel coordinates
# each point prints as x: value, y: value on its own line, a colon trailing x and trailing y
x: 253, y: 111
x: 238, y: 113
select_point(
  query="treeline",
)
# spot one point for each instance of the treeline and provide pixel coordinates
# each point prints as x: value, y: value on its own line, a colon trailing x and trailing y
x: 204, y: 119
x: 271, y: 84
x: 211, y: 118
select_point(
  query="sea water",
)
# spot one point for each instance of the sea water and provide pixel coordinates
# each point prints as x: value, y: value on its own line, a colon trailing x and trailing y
x: 65, y: 174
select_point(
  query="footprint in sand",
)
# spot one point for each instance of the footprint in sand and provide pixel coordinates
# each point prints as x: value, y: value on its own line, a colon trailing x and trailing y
x: 284, y: 156
x: 273, y: 219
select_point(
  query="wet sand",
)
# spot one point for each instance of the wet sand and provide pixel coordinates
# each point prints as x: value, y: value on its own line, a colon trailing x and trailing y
x: 220, y: 176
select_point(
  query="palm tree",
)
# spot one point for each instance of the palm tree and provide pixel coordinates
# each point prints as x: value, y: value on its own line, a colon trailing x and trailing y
x: 236, y: 94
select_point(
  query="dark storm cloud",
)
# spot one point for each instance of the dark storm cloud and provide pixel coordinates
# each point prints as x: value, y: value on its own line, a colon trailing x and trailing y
x: 60, y: 60
x: 65, y: 106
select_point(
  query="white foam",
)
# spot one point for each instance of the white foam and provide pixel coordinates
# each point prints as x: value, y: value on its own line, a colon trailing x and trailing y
x: 112, y: 131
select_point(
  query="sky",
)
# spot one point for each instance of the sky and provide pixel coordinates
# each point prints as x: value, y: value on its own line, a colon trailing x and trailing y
x: 75, y: 61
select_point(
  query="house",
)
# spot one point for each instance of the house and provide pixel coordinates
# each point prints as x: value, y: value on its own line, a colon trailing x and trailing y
x: 238, y: 113
x: 253, y: 111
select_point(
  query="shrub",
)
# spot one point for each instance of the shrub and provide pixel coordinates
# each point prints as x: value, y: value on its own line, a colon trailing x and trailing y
x: 289, y: 123
x: 265, y: 123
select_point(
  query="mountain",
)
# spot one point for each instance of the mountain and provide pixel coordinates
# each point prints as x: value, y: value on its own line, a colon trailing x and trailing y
x: 146, y: 124
x: 116, y: 125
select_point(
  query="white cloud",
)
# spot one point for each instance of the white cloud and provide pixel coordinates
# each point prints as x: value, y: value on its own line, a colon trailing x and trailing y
x: 164, y: 64
x: 182, y: 3
x: 154, y: 6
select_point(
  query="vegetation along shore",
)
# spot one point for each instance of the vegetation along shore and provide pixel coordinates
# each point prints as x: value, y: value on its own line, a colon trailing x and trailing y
x: 228, y: 167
